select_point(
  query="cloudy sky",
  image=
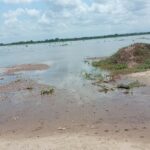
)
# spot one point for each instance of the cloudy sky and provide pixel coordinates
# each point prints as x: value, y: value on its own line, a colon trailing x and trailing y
x: 45, y: 19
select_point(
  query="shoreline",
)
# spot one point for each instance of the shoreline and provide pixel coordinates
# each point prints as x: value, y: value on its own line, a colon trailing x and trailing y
x: 24, y: 67
x: 72, y: 142
x: 57, y: 117
x: 143, y: 77
x: 94, y: 120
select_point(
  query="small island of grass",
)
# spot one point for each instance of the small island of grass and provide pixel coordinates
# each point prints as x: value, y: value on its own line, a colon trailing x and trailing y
x: 130, y: 59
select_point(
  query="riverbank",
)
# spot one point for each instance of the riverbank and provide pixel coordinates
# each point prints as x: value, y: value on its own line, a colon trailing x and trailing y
x: 108, y: 121
x: 71, y: 142
x: 24, y: 67
x: 143, y: 77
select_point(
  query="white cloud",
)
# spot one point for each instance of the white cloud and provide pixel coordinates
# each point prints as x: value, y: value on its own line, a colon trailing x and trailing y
x: 44, y: 19
x: 78, y: 17
x: 12, y: 16
x: 32, y: 12
x: 18, y: 1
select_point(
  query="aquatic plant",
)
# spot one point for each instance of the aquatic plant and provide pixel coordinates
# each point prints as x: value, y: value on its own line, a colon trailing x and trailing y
x: 48, y: 91
x: 93, y: 76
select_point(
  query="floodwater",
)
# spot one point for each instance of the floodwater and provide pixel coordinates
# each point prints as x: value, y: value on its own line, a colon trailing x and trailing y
x: 66, y: 61
x: 76, y: 105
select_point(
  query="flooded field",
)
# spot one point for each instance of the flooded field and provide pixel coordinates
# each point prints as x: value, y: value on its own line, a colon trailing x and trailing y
x: 66, y: 61
x: 76, y: 106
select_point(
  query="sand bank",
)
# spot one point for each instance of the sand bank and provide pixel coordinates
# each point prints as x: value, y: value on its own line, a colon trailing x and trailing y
x: 143, y: 77
x: 25, y: 67
x: 71, y: 142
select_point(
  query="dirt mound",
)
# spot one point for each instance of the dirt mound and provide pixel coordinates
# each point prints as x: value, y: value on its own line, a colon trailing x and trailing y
x: 132, y: 55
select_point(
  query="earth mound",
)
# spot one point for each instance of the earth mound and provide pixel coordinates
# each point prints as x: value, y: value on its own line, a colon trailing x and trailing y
x: 132, y: 55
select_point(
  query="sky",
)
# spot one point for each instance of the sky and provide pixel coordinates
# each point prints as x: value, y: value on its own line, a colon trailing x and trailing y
x: 45, y: 19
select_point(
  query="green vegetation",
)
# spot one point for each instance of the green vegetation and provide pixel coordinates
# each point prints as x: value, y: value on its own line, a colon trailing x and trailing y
x: 75, y: 39
x: 114, y: 68
x: 134, y: 58
x: 107, y: 64
x: 47, y: 91
x: 90, y: 76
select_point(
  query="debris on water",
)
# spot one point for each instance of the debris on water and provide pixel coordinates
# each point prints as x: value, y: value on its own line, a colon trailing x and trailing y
x: 130, y: 85
x: 105, y: 89
x: 15, y: 118
x: 61, y: 128
x: 29, y: 88
x: 47, y: 91
x: 126, y: 92
x: 123, y: 86
x: 18, y: 80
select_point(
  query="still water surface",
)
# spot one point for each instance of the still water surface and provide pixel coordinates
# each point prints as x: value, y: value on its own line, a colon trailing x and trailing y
x: 66, y: 61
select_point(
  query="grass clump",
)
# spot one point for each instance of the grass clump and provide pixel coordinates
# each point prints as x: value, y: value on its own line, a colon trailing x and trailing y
x: 134, y: 58
x: 47, y: 91
x: 90, y: 76
x: 108, y: 64
x: 87, y: 76
x: 145, y: 65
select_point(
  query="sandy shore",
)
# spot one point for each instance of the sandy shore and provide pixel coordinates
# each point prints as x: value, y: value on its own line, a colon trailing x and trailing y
x: 143, y: 77
x: 25, y: 67
x: 30, y: 121
x: 69, y: 121
x: 71, y: 142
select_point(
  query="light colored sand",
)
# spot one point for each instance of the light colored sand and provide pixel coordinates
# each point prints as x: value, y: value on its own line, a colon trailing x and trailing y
x: 70, y: 142
x: 143, y: 77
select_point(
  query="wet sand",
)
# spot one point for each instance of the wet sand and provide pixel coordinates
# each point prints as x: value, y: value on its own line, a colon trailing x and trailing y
x: 71, y: 142
x: 143, y: 77
x: 108, y: 121
x: 25, y: 67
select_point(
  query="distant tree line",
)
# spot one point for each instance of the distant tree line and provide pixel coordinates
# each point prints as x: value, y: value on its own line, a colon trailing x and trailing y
x: 75, y: 39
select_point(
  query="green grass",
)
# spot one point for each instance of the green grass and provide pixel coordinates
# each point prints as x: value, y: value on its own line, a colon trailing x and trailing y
x: 123, y: 68
x: 130, y: 59
x: 92, y: 76
x: 108, y: 64
x: 47, y: 91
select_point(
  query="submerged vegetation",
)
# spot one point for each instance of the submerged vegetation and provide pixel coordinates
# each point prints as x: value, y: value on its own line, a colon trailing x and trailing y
x: 48, y: 91
x: 90, y: 76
